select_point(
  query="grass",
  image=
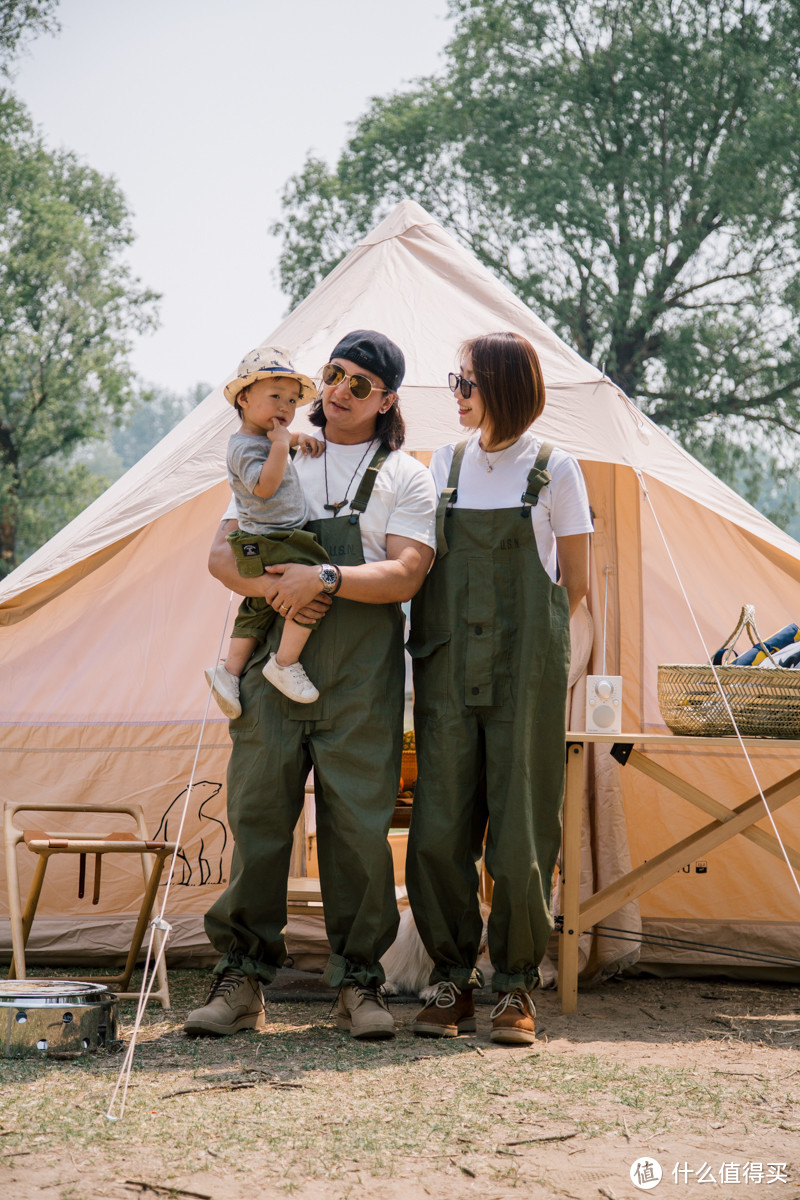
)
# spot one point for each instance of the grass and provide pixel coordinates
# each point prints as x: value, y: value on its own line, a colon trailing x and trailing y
x: 307, y: 1102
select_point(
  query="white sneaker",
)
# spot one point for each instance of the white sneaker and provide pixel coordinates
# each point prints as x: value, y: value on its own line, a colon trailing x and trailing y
x: 291, y: 680
x: 225, y: 690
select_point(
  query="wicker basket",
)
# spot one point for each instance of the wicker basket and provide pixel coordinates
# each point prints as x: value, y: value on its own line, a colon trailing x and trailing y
x: 408, y: 770
x: 765, y: 701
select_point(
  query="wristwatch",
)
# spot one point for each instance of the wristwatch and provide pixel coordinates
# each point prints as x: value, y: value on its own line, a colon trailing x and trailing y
x: 330, y: 577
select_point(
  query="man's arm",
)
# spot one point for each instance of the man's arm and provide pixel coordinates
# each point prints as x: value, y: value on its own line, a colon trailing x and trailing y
x: 222, y: 565
x: 398, y: 577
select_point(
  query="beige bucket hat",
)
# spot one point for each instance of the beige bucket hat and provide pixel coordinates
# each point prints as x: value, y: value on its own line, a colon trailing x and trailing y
x: 268, y: 360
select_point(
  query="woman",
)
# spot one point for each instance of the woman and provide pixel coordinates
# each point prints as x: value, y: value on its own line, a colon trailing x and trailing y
x: 490, y: 643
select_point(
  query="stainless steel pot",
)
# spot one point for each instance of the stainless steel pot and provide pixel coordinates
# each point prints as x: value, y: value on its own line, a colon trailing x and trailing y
x: 56, y: 1018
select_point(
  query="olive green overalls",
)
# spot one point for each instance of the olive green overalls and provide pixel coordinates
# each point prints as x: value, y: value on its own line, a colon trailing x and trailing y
x: 490, y: 643
x: 352, y: 736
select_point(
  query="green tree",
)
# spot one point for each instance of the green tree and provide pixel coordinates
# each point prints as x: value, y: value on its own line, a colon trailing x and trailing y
x: 628, y: 167
x: 148, y: 419
x: 68, y: 306
x: 153, y: 415
x: 21, y: 20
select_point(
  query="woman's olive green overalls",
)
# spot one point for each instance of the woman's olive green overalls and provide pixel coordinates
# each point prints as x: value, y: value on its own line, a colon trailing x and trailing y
x: 490, y: 643
x: 352, y: 736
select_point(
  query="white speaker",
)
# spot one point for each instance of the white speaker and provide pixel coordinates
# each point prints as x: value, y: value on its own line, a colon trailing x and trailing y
x: 603, y: 703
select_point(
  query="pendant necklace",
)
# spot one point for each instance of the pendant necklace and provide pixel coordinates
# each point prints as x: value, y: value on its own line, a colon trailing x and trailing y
x: 334, y: 507
x: 490, y: 466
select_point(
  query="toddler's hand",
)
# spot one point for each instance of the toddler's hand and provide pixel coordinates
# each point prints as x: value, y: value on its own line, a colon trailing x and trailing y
x: 307, y: 444
x: 279, y: 435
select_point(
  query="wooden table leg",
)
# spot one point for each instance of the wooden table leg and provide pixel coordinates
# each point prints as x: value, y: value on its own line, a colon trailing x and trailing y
x: 571, y: 880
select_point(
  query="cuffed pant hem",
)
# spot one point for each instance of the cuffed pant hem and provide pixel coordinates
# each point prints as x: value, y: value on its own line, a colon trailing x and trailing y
x: 247, y: 966
x: 466, y: 979
x: 527, y: 981
x: 339, y: 971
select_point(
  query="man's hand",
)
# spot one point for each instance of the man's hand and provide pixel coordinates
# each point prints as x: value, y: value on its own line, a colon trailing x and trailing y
x: 307, y: 444
x: 298, y: 588
x: 222, y: 565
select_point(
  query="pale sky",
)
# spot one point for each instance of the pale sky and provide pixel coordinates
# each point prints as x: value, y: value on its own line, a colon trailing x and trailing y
x: 201, y: 110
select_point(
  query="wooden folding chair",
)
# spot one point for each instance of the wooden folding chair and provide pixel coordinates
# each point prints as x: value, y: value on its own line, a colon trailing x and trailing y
x: 44, y: 844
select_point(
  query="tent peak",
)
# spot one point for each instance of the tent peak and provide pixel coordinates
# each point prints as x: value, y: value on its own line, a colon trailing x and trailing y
x: 404, y: 216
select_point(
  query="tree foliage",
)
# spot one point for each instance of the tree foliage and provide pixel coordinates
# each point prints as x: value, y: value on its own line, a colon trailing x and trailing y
x: 21, y: 20
x: 68, y: 306
x: 153, y: 415
x: 95, y: 465
x: 628, y: 167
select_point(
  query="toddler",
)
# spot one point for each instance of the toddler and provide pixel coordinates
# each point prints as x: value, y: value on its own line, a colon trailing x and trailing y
x: 271, y: 511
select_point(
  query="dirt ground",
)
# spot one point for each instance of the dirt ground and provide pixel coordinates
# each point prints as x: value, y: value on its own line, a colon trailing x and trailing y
x: 699, y: 1078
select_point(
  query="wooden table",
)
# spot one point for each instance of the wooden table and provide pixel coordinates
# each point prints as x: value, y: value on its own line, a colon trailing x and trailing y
x: 581, y: 916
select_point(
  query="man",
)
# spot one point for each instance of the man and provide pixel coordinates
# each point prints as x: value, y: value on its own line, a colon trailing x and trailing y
x: 372, y: 508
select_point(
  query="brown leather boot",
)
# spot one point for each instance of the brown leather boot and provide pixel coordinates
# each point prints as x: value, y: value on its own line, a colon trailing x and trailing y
x: 448, y: 1013
x: 513, y: 1019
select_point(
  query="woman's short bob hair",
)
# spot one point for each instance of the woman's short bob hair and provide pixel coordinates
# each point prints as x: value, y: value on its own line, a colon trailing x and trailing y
x: 506, y: 369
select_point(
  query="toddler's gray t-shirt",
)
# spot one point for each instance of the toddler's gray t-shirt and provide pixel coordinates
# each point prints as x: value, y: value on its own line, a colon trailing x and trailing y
x: 285, y: 509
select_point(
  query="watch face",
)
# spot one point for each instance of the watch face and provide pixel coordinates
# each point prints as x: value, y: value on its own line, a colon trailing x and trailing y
x: 328, y: 575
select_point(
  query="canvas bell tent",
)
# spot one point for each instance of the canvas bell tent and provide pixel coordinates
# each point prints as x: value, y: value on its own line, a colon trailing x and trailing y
x: 105, y: 631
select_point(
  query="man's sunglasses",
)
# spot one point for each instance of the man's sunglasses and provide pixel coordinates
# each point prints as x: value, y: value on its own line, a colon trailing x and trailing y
x: 359, y: 385
x: 459, y: 384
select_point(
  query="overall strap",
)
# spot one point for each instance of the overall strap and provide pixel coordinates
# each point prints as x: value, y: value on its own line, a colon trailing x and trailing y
x: 448, y: 498
x: 361, y: 499
x: 538, y: 476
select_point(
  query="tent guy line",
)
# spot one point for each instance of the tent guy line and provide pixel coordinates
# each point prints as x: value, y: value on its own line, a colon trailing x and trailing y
x: 654, y: 939
x: 721, y: 690
x: 165, y: 929
x: 160, y: 922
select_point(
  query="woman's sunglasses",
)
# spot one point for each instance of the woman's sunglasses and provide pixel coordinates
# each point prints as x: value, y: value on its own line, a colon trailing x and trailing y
x: 359, y: 385
x: 459, y: 384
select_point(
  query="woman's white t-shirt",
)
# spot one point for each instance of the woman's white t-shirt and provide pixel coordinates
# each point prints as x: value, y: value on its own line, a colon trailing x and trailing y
x: 563, y: 507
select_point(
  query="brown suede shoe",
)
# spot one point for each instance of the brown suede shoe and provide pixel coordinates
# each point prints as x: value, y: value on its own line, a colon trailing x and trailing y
x: 448, y: 1013
x: 513, y: 1019
x: 364, y: 1011
x: 234, y: 1003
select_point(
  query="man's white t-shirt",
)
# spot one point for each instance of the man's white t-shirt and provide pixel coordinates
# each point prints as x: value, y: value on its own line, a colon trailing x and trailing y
x: 563, y: 507
x: 402, y: 501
